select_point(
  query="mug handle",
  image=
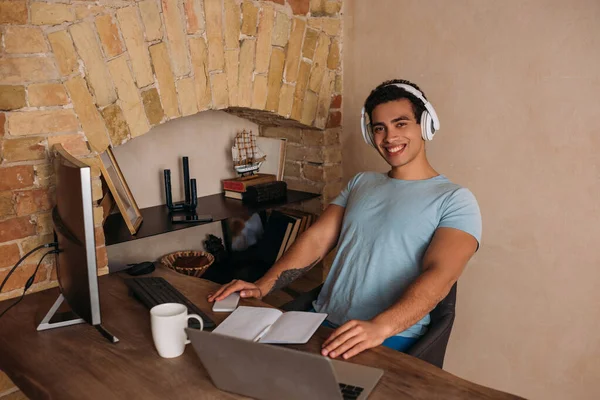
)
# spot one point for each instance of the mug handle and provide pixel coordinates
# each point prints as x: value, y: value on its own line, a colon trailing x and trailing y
x: 197, y: 317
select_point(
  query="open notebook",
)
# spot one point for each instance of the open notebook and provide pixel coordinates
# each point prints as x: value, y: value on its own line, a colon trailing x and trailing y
x: 270, y: 325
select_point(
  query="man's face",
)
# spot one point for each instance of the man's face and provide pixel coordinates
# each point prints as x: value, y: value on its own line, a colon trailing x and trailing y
x: 396, y: 133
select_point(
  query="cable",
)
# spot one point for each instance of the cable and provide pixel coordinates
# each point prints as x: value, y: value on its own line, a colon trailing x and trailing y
x: 29, y: 282
x: 47, y: 245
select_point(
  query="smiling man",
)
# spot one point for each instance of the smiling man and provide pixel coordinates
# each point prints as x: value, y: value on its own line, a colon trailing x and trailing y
x: 404, y: 237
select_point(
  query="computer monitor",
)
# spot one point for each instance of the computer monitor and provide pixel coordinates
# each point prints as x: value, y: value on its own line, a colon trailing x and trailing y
x: 73, y: 221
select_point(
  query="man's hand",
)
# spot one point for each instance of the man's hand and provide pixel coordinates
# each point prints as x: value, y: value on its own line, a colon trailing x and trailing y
x: 354, y: 337
x: 246, y: 289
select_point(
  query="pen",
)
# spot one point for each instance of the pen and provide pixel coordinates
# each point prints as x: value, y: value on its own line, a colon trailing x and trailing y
x: 262, y: 333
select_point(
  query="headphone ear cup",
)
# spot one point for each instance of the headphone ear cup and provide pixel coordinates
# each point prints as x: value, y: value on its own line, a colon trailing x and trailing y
x: 427, y: 129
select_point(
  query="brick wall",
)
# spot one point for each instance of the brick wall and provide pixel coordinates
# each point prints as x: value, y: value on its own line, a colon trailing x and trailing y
x: 89, y: 75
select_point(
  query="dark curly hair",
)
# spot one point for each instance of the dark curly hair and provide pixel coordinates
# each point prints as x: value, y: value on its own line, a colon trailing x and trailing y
x: 387, y: 92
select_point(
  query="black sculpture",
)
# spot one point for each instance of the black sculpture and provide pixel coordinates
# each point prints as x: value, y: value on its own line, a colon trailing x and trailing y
x: 190, y: 203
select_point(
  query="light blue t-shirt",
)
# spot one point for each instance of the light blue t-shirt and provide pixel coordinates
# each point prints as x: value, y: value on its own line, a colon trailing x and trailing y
x: 388, y: 224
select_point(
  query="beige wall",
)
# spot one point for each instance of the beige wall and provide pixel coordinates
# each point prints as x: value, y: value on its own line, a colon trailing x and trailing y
x: 516, y: 86
x: 206, y: 139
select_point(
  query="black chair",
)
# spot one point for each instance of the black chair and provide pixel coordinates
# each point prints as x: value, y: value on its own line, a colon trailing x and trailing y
x: 430, y: 348
x: 432, y: 345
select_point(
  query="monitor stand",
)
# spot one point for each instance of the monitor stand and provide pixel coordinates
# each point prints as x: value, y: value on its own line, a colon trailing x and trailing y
x: 58, y: 320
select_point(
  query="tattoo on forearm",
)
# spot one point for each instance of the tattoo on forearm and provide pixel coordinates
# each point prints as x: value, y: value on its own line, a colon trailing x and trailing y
x: 287, y: 277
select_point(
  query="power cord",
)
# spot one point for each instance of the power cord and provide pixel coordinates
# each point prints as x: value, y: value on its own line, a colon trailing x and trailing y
x: 32, y: 277
x: 29, y: 281
x: 47, y: 245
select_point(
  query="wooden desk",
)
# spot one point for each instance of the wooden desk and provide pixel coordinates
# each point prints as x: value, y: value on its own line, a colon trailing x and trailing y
x: 78, y: 363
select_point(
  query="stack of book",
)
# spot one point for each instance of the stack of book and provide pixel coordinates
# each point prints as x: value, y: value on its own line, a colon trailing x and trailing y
x: 281, y: 230
x: 236, y: 188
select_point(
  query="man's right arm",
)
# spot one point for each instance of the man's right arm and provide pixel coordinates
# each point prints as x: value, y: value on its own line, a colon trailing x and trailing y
x: 308, y: 249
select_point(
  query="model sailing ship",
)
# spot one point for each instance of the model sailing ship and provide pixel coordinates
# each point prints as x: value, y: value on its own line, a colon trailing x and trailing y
x: 247, y: 156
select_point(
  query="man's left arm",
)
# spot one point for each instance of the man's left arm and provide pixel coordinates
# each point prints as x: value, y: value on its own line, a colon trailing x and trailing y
x: 445, y: 259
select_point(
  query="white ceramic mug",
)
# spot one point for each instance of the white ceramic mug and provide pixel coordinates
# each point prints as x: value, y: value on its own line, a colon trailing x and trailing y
x: 168, y: 322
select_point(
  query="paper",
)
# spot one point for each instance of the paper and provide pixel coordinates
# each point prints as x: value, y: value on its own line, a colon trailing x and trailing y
x: 248, y: 322
x: 294, y: 327
x: 270, y: 325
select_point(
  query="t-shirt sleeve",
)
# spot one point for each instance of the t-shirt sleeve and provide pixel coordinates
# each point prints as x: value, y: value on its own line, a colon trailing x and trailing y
x: 342, y: 198
x: 462, y: 212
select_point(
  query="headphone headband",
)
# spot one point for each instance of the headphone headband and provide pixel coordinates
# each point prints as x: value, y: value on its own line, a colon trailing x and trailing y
x: 430, y: 122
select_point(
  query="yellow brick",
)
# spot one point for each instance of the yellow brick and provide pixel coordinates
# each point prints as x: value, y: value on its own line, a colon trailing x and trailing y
x: 166, y: 82
x: 263, y: 44
x: 97, y: 74
x: 27, y: 149
x: 294, y: 50
x: 51, y: 13
x: 194, y: 10
x: 281, y: 30
x: 20, y: 39
x: 12, y: 97
x: 64, y: 52
x: 232, y: 24
x: 154, y: 110
x: 331, y: 26
x: 199, y: 55
x: 37, y: 122
x: 286, y: 100
x: 116, y: 124
x: 274, y: 79
x: 187, y: 96
x: 98, y: 215
x: 214, y: 34
x: 232, y: 67
x: 44, y: 175
x: 219, y: 90
x: 250, y: 18
x: 301, y: 84
x: 13, y: 12
x: 90, y: 119
x: 151, y: 18
x: 338, y: 84
x: 129, y: 98
x: 133, y: 35
x: 325, y: 99
x: 309, y: 108
x: 319, y: 63
x: 27, y: 69
x: 47, y: 94
x: 259, y: 96
x: 176, y: 35
x: 310, y: 43
x: 333, y: 7
x: 87, y: 10
x: 109, y: 36
x: 246, y: 69
x: 333, y: 59
x: 315, y: 23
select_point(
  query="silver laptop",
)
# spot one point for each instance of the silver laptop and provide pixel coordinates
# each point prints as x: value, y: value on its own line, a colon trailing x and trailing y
x: 268, y: 372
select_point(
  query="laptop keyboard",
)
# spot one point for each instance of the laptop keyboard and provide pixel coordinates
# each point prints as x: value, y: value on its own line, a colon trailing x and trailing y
x: 350, y: 392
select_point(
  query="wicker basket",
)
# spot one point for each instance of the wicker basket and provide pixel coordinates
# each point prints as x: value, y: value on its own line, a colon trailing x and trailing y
x: 188, y: 262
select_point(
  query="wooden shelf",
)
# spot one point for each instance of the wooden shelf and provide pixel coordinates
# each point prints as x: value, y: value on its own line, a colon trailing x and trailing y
x: 156, y: 219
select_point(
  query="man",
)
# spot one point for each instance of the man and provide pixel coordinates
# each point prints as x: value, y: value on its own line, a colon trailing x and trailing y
x: 403, y: 237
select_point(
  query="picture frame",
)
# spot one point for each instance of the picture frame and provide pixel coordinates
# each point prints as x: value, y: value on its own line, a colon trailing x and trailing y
x: 121, y: 194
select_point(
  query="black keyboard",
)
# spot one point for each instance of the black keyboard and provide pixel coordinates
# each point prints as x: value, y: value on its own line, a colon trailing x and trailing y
x: 153, y: 291
x: 350, y: 392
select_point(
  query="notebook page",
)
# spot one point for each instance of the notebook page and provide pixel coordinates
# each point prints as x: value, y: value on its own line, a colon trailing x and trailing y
x: 248, y: 322
x: 294, y: 327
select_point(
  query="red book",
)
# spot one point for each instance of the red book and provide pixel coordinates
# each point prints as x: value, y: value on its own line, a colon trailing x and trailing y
x: 241, y: 184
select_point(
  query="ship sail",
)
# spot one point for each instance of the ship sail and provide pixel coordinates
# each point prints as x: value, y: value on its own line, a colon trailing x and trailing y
x: 247, y: 156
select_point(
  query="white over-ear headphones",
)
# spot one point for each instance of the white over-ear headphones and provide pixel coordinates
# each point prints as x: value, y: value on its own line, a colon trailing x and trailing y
x: 430, y: 123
